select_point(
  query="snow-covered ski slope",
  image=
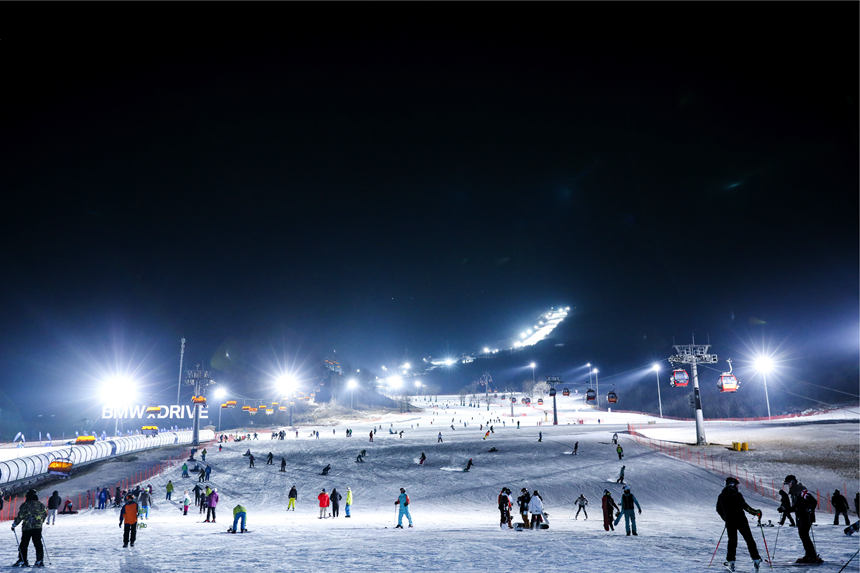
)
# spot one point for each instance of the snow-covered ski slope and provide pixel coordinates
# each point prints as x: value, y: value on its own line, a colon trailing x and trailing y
x: 455, y: 515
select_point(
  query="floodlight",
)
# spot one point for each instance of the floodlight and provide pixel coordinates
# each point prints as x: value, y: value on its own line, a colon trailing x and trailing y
x: 418, y: 383
x: 352, y: 383
x: 406, y: 366
x: 763, y: 364
x: 450, y: 362
x: 286, y: 383
x: 532, y: 364
x: 395, y: 381
x: 486, y: 350
x: 655, y: 367
x: 595, y: 371
x: 119, y: 390
x: 219, y: 393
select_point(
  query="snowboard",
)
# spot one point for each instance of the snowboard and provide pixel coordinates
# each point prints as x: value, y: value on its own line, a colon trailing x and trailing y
x: 853, y: 528
x: 230, y: 530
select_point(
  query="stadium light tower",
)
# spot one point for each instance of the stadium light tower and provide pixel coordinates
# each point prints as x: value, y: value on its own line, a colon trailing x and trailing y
x: 764, y: 366
x: 695, y: 354
x: 656, y: 369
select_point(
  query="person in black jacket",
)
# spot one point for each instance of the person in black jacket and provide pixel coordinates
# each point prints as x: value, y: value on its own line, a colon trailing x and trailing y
x: 283, y: 464
x: 54, y: 503
x: 784, y: 504
x: 291, y: 504
x: 840, y: 507
x: 857, y: 503
x: 803, y: 505
x: 731, y: 506
x: 334, y: 499
x: 523, y: 501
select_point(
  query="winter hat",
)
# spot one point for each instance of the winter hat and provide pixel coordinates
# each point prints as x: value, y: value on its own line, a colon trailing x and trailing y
x: 732, y: 481
x: 402, y: 490
x: 626, y: 488
x: 32, y: 495
x: 323, y: 490
x: 524, y: 490
x: 790, y: 479
x: 606, y: 491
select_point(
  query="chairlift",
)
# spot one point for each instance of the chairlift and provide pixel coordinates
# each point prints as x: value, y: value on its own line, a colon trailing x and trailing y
x: 246, y: 408
x: 552, y: 392
x: 61, y: 467
x: 679, y: 378
x: 269, y: 411
x: 612, y: 397
x: 252, y: 411
x: 198, y: 399
x: 149, y: 430
x: 513, y: 400
x: 728, y: 381
x: 565, y: 392
x: 231, y: 403
x: 540, y: 401
x: 527, y: 400
x: 590, y: 395
x: 85, y: 440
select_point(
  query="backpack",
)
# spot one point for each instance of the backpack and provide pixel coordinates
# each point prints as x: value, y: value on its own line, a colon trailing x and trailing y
x: 808, y: 500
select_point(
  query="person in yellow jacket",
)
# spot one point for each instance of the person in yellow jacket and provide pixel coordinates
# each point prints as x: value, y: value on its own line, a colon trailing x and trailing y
x: 348, y: 501
x: 238, y: 513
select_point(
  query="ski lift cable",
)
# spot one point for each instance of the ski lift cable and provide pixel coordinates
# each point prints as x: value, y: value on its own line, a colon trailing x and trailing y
x: 814, y: 400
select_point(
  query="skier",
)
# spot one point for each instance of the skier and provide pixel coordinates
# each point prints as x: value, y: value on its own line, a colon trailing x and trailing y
x: 348, y: 501
x: 203, y: 455
x: 359, y: 459
x: 204, y: 499
x: 581, y: 502
x: 211, y: 504
x: 186, y: 501
x: 325, y: 470
x: 575, y: 448
x: 197, y: 490
x: 103, y: 498
x: 628, y: 500
x: 505, y: 506
x: 324, y: 501
x: 536, y: 509
x: 208, y: 472
x: 335, y: 498
x: 128, y: 517
x: 422, y: 459
x: 518, y: 424
x: 251, y: 460
x: 144, y: 500
x: 840, y: 507
x: 540, y: 436
x: 608, y: 504
x: 238, y: 513
x: 169, y: 489
x: 371, y: 436
x: 783, y: 508
x: 523, y: 501
x: 615, y: 438
x: 201, y: 475
x: 620, y: 451
x: 185, y: 470
x: 283, y: 464
x: 291, y: 504
x: 486, y: 435
x: 403, y: 502
x: 468, y: 465
x: 439, y: 438
x: 53, y: 505
x: 269, y: 459
x: 31, y: 514
x: 731, y: 506
x: 621, y: 476
x: 803, y: 505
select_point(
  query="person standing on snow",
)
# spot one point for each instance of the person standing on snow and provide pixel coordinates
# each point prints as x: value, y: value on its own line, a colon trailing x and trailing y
x: 207, y: 473
x: 803, y: 505
x: 840, y: 507
x: 523, y: 502
x: 283, y: 464
x: 575, y: 448
x: 615, y: 438
x: 186, y: 501
x: 731, y: 506
x: 291, y: 504
x: 250, y: 460
x: 145, y: 500
x: 197, y: 490
x: 536, y: 509
x: 102, y: 498
x: 211, y: 504
x: 324, y: 502
x: 204, y: 499
x: 581, y: 502
x: 628, y: 500
x: 783, y: 508
x: 128, y: 518
x: 621, y: 476
x: 169, y: 489
x: 335, y: 498
x: 269, y: 459
x: 505, y: 506
x: 439, y: 438
x: 371, y: 436
x: 31, y: 515
x: 348, y: 501
x: 203, y: 455
x: 185, y: 470
x: 608, y: 504
x: 620, y: 451
x: 53, y: 505
x: 403, y: 502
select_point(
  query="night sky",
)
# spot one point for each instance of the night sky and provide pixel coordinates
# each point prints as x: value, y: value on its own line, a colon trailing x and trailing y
x: 389, y: 181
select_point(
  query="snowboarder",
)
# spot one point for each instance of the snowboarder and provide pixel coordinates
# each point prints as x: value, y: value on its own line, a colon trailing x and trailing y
x: 422, y: 459
x: 291, y: 504
x: 620, y: 451
x: 840, y: 507
x: 335, y: 498
x: 581, y: 502
x: 628, y: 500
x: 269, y: 459
x: 536, y: 509
x: 505, y: 506
x: 169, y: 489
x: 186, y: 501
x: 621, y: 476
x: 540, y: 436
x: 145, y: 500
x: 348, y: 501
x: 371, y: 436
x: 468, y: 465
x: 283, y: 464
x: 211, y: 504
x: 251, y: 460
x: 31, y: 514
x: 486, y: 435
x: 403, y: 502
x: 523, y: 501
x: 608, y: 504
x: 53, y: 505
x: 439, y: 438
x: 731, y: 506
x: 238, y: 513
x: 324, y: 502
x: 325, y: 470
x: 783, y: 508
x: 575, y: 448
x: 803, y: 506
x: 128, y: 518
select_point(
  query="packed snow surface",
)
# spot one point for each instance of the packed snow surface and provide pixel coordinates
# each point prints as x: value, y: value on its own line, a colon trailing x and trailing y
x: 455, y: 512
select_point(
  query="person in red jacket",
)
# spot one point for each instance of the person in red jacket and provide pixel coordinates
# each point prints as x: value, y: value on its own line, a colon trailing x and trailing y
x: 324, y: 502
x: 609, y: 507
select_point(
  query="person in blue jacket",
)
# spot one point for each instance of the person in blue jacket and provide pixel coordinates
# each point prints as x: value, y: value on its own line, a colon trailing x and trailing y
x: 628, y: 500
x: 403, y: 502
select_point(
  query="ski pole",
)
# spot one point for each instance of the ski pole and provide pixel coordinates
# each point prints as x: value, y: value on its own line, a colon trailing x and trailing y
x: 775, y: 542
x: 717, y: 547
x: 17, y: 543
x: 849, y: 561
x: 761, y: 528
x: 45, y: 549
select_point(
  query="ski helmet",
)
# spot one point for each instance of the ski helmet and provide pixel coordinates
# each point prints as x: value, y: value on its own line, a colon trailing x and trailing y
x: 732, y: 481
x: 790, y: 479
x: 402, y: 490
x: 626, y: 488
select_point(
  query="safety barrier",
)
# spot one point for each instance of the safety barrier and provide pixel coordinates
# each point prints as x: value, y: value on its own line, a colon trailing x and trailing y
x: 724, y: 468
x: 37, y: 465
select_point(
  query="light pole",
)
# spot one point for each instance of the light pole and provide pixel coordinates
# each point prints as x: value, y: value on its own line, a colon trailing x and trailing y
x: 764, y: 365
x: 597, y: 382
x: 352, y: 384
x: 656, y: 369
x: 533, y: 365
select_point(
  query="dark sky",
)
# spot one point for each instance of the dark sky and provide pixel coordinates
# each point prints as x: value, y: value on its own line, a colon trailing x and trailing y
x: 396, y: 180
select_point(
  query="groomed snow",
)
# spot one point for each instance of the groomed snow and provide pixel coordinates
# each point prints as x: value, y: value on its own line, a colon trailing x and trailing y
x: 456, y: 520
